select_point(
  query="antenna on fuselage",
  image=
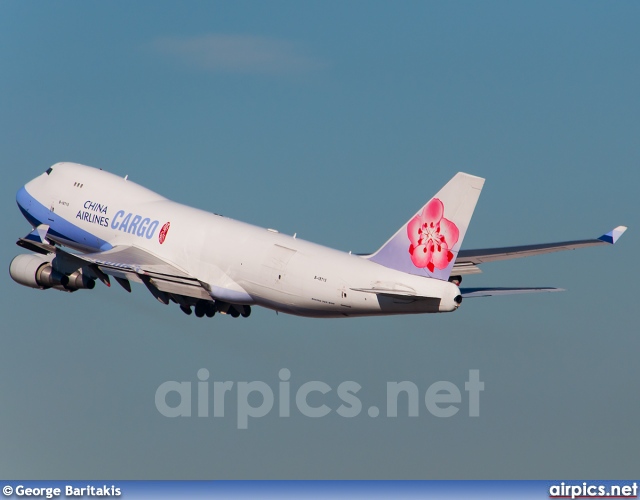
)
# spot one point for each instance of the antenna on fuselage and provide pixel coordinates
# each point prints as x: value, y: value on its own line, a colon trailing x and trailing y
x: 126, y: 177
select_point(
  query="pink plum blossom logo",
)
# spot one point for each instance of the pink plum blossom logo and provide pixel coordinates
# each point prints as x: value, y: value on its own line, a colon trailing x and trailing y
x: 163, y: 232
x: 432, y: 237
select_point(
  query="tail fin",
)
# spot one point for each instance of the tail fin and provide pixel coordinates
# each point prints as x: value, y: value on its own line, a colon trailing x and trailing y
x: 428, y: 244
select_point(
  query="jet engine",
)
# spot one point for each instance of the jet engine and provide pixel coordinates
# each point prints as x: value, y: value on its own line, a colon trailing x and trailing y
x: 37, y: 271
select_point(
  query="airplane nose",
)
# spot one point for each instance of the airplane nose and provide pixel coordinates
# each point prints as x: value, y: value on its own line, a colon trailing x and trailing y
x: 28, y: 206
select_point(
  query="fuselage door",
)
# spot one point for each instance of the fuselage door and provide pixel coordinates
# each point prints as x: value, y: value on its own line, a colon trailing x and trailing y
x: 51, y: 213
x: 275, y: 266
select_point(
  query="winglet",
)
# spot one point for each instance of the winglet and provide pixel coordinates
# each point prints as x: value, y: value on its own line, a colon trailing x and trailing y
x: 613, y: 235
x: 39, y: 234
x: 36, y: 241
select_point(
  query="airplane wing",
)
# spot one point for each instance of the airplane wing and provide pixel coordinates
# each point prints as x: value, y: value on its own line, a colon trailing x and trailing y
x: 125, y: 264
x: 130, y: 263
x: 165, y: 280
x: 468, y: 260
x: 36, y: 241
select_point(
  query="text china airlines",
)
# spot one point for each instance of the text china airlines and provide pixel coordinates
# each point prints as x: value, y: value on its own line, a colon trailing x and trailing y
x: 96, y: 213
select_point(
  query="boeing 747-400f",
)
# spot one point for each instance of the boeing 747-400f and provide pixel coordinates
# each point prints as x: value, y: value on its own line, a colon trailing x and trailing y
x: 92, y: 225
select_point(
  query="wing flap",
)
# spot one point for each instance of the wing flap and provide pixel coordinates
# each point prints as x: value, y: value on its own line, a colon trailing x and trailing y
x: 180, y: 288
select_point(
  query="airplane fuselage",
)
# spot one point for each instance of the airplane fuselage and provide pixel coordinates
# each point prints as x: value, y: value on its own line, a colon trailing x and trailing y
x: 90, y: 210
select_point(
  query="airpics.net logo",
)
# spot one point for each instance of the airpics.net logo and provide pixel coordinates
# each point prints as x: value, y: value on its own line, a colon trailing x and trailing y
x: 257, y: 399
x: 591, y: 490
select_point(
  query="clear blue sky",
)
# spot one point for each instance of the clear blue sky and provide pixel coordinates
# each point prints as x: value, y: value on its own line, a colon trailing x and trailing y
x: 335, y: 120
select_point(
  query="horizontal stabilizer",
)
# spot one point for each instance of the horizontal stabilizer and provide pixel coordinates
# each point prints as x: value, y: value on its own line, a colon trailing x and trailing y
x: 392, y: 292
x: 489, y: 292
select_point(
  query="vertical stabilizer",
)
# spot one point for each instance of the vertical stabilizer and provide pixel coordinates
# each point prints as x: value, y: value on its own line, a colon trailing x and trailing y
x: 428, y: 244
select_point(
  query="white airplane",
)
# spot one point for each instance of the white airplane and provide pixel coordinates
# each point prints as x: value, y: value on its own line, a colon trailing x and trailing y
x: 211, y: 263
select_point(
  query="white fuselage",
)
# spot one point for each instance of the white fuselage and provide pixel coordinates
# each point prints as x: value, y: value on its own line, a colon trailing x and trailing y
x: 94, y: 210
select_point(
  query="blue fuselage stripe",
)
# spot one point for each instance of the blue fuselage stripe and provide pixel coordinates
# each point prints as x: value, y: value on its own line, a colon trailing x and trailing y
x: 36, y: 213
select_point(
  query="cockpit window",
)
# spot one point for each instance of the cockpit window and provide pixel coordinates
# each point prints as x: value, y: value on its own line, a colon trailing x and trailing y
x: 49, y: 170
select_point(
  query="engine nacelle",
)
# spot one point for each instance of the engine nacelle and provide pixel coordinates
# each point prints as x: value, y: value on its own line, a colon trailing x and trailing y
x: 36, y: 271
x: 78, y: 280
